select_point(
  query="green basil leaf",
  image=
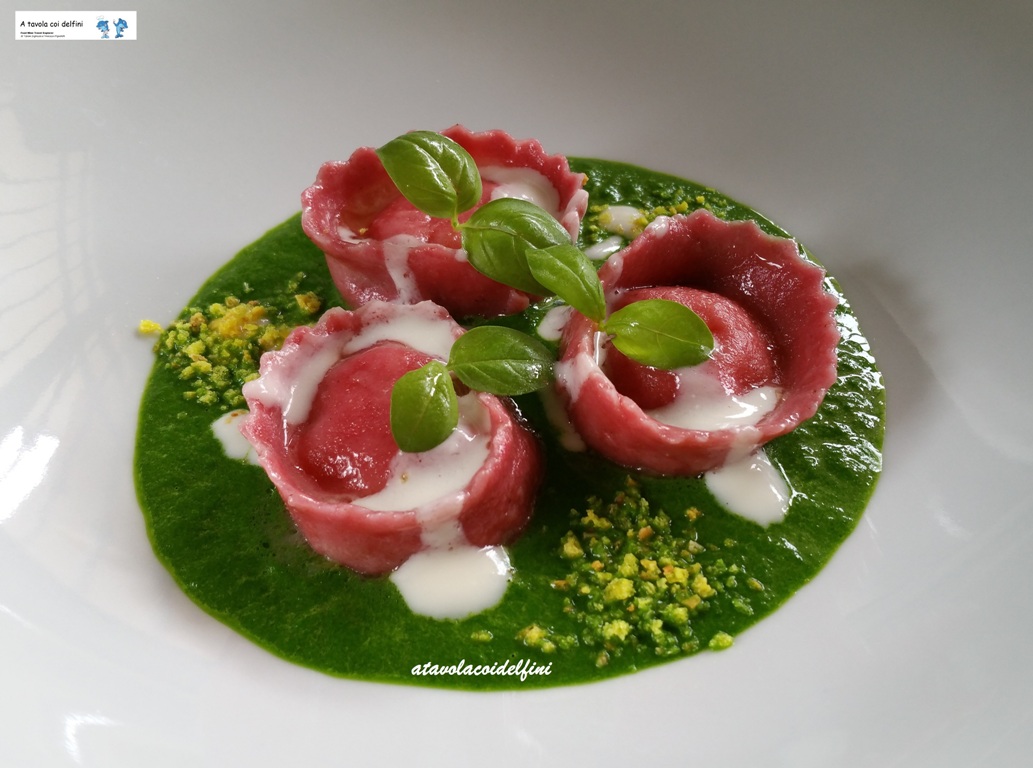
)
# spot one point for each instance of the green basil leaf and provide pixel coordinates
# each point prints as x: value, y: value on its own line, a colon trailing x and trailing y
x: 424, y: 408
x: 433, y: 172
x: 660, y: 333
x: 567, y: 272
x: 499, y: 360
x: 497, y: 236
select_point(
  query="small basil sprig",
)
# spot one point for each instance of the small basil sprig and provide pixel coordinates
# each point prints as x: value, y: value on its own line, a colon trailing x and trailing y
x: 502, y: 361
x: 517, y: 243
x: 655, y: 332
x: 433, y: 173
x: 424, y: 407
x: 500, y: 234
x: 661, y: 333
x: 566, y: 271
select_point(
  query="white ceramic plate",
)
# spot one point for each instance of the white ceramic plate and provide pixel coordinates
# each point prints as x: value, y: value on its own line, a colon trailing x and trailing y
x: 893, y: 139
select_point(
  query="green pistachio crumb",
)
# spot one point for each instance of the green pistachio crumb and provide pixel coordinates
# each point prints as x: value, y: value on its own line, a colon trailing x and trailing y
x: 216, y: 349
x: 599, y: 222
x: 618, y: 589
x: 720, y: 642
x: 636, y: 580
x: 571, y: 547
x: 537, y: 637
x: 309, y: 302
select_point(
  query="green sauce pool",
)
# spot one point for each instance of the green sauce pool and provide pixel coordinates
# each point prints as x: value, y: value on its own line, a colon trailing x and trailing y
x: 220, y: 528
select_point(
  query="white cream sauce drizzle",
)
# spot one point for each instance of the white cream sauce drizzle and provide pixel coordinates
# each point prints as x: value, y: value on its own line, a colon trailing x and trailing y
x: 573, y: 373
x: 623, y: 220
x: 551, y: 326
x: 292, y: 388
x: 450, y: 578
x: 295, y: 395
x: 751, y: 488
x: 227, y: 431
x: 440, y: 473
x: 702, y: 403
x: 748, y: 485
x: 396, y: 259
x: 523, y: 184
x: 519, y: 183
x: 348, y: 235
x: 453, y: 583
x: 424, y: 332
x: 604, y: 248
x: 557, y: 415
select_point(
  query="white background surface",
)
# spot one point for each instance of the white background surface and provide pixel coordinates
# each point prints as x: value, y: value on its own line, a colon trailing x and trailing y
x: 893, y: 138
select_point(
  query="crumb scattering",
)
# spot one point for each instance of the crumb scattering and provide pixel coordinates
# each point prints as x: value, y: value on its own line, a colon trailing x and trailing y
x: 216, y: 349
x: 636, y: 581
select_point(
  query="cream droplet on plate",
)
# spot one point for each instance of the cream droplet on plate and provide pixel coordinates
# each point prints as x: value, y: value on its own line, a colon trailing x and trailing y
x: 453, y: 583
x: 752, y: 488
